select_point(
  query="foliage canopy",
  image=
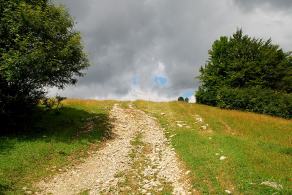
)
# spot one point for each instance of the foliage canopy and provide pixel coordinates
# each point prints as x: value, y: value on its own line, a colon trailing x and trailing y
x: 38, y: 48
x: 242, y: 62
x: 181, y: 99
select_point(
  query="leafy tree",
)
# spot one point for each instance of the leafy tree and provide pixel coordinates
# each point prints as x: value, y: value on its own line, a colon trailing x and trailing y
x: 38, y: 49
x: 181, y: 99
x: 187, y: 100
x: 240, y: 62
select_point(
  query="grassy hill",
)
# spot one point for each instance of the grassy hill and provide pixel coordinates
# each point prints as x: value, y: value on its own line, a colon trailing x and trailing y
x: 253, y: 148
x: 257, y: 148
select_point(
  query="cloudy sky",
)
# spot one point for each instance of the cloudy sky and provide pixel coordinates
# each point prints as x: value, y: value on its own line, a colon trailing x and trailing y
x: 153, y: 49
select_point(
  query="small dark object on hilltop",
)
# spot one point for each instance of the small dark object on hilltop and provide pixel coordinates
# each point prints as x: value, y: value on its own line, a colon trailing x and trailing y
x: 180, y: 99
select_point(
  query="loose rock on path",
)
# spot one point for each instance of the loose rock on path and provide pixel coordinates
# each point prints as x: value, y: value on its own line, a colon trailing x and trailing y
x: 139, y: 160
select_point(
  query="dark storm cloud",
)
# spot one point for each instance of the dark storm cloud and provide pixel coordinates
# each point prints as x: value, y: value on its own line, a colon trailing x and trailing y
x: 129, y: 40
x: 284, y: 5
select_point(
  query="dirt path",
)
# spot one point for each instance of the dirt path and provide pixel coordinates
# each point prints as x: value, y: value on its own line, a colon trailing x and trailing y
x: 139, y: 160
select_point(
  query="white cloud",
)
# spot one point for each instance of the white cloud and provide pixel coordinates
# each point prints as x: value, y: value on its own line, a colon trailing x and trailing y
x: 192, y: 99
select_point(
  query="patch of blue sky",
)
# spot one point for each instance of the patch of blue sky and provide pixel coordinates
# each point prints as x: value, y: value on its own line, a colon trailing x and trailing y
x: 188, y: 93
x: 160, y: 81
x: 135, y: 80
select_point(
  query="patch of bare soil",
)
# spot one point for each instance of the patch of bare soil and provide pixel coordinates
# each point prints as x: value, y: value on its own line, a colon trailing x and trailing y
x: 139, y: 160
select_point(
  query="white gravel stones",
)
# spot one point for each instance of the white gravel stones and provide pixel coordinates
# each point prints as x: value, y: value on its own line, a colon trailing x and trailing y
x: 228, y: 192
x: 198, y: 119
x: 203, y: 126
x: 182, y: 124
x: 165, y: 158
x: 101, y: 166
x: 171, y: 136
x: 99, y: 172
x: 273, y: 185
x: 222, y: 157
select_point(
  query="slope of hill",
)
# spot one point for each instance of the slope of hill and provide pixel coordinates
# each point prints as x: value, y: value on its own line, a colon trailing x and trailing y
x: 228, y: 150
x: 222, y: 151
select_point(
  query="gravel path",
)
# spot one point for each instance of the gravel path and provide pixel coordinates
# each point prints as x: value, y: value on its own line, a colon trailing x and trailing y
x: 139, y: 160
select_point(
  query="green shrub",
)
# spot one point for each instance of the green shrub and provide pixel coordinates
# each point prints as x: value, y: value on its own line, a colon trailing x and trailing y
x: 181, y: 99
x: 255, y: 99
x: 206, y: 96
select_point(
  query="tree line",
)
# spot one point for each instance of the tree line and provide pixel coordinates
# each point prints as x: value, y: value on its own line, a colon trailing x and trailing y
x: 248, y: 74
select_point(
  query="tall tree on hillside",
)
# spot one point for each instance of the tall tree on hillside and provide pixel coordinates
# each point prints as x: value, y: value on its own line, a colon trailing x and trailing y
x: 241, y: 62
x: 38, y: 48
x: 248, y: 74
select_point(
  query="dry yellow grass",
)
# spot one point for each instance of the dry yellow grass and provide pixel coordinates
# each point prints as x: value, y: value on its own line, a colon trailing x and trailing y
x: 258, y: 147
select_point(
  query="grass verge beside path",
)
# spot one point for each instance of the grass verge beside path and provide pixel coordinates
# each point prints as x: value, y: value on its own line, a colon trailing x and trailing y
x: 57, y: 139
x: 257, y: 148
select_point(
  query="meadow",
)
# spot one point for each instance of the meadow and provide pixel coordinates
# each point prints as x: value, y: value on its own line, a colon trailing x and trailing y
x: 253, y: 148
x: 223, y: 149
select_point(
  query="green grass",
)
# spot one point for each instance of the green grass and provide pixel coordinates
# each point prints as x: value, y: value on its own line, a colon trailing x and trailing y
x: 258, y: 147
x: 56, y: 140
